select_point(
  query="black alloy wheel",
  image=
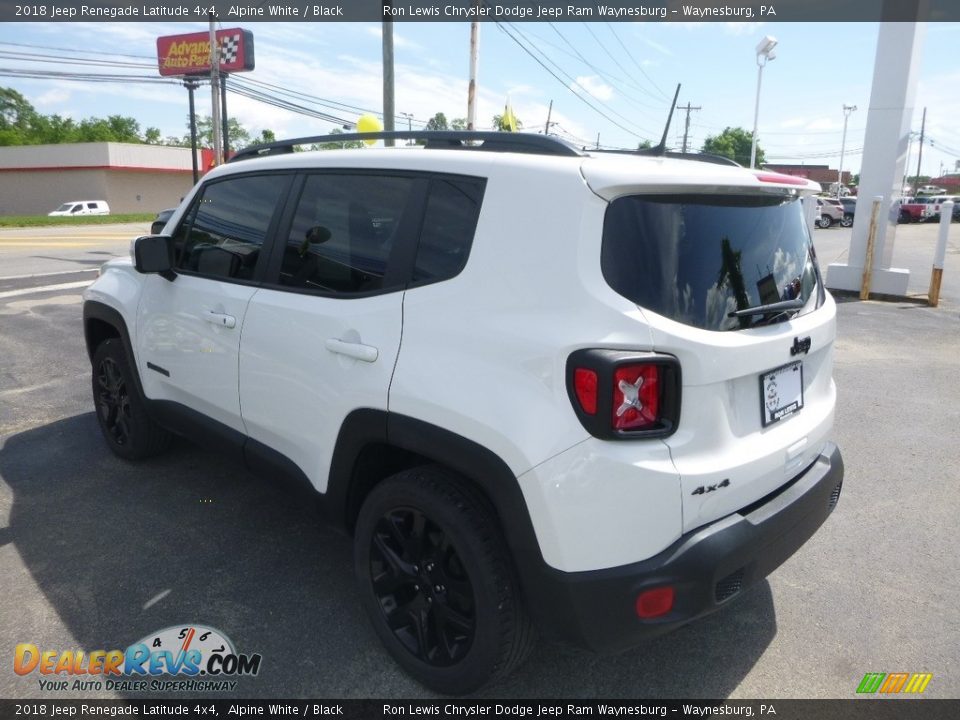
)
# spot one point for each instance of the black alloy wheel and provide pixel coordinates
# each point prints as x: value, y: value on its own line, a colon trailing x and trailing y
x: 122, y: 414
x: 437, y: 580
x: 422, y: 586
x: 113, y: 401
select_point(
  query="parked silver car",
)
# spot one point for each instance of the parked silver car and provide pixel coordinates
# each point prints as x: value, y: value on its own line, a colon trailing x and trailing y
x: 829, y: 211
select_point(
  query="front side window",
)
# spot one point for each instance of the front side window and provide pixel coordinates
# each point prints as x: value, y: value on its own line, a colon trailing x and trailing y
x: 226, y: 228
x: 343, y: 231
x: 698, y: 258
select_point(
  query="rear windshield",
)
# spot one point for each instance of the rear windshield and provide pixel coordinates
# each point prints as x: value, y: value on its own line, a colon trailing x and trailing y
x: 697, y: 258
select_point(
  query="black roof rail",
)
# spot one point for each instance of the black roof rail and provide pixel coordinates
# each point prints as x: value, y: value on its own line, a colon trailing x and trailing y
x: 443, y: 139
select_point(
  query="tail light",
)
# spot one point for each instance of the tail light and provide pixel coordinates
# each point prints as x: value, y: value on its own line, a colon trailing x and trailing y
x: 622, y: 394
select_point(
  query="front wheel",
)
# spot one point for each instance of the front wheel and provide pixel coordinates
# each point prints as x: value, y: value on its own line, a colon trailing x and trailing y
x: 437, y: 582
x: 847, y: 220
x: 824, y: 221
x: 121, y: 413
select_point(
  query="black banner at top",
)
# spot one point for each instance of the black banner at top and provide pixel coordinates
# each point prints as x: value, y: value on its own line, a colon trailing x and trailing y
x: 481, y: 10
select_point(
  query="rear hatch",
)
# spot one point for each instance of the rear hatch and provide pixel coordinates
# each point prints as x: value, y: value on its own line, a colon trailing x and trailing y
x: 757, y: 391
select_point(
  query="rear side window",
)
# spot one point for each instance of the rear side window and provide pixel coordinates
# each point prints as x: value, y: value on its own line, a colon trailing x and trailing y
x: 227, y: 226
x: 697, y: 258
x: 343, y: 232
x: 449, y: 223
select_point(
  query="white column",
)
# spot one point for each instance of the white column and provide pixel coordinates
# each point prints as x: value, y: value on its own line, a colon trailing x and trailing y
x: 895, y: 73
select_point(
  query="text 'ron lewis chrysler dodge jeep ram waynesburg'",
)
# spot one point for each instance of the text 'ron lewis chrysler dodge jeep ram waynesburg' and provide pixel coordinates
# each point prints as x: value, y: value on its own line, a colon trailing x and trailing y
x: 580, y: 392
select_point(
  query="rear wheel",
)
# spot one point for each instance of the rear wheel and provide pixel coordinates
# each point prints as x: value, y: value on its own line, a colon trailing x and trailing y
x: 121, y: 413
x: 436, y: 580
x: 847, y: 220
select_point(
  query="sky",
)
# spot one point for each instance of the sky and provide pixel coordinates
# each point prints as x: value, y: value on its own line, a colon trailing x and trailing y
x: 615, y: 80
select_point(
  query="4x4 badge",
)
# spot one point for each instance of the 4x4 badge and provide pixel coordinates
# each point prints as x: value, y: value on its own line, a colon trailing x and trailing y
x: 801, y: 346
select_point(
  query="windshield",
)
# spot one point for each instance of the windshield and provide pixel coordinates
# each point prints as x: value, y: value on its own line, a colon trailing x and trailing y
x: 698, y: 258
x: 64, y: 207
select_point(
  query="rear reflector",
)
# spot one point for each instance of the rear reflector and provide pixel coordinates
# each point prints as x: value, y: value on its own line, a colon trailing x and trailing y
x: 585, y: 385
x: 654, y: 603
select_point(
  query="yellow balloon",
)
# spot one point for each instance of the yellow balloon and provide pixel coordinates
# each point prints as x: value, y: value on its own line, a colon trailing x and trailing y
x: 369, y: 124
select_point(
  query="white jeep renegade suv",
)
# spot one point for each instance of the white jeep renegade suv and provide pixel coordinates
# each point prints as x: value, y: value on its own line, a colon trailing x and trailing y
x: 543, y: 388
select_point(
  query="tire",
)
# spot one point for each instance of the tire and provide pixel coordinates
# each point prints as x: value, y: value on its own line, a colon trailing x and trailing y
x: 436, y: 580
x: 121, y: 411
x: 847, y: 220
x: 824, y: 221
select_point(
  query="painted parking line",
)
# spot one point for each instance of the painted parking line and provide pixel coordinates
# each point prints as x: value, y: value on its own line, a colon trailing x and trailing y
x: 45, y: 288
x: 46, y: 274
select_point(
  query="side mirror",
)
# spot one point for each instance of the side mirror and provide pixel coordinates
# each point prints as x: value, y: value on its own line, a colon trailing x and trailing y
x: 154, y: 254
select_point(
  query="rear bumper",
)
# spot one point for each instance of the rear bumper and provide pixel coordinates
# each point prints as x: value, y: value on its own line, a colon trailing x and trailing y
x: 707, y: 567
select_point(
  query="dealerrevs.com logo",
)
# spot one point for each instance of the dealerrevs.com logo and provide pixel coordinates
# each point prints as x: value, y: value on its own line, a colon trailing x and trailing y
x: 183, y: 658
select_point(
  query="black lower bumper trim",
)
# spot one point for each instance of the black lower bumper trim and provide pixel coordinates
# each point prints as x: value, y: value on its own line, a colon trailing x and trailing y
x: 707, y: 567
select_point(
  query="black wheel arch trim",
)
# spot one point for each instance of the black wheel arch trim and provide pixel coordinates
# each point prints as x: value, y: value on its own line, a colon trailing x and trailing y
x: 94, y: 310
x: 479, y: 464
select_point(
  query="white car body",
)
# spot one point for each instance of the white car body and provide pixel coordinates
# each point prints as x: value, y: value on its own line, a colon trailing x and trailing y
x: 484, y: 355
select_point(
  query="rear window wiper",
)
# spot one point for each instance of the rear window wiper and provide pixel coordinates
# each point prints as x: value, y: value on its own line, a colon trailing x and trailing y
x: 777, y: 307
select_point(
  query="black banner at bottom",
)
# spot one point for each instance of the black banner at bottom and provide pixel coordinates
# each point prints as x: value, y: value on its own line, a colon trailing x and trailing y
x: 854, y: 709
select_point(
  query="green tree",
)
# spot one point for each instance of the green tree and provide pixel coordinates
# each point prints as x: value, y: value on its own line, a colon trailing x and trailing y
x: 337, y: 145
x: 151, y: 136
x: 238, y: 136
x: 266, y: 136
x: 16, y: 117
x: 645, y: 145
x: 733, y: 143
x: 458, y: 124
x: 438, y: 122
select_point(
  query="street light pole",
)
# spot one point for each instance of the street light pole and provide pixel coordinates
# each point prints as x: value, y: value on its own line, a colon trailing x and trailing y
x: 765, y: 53
x: 409, y: 117
x: 847, y: 109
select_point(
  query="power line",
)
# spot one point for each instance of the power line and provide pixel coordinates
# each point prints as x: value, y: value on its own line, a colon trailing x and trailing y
x: 639, y: 66
x: 600, y: 72
x: 593, y: 107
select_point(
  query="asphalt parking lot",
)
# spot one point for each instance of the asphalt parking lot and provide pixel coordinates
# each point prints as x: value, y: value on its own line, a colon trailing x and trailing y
x: 96, y: 553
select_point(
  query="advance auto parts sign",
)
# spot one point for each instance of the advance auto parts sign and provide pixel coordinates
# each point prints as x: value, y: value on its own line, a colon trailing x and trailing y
x: 190, y: 54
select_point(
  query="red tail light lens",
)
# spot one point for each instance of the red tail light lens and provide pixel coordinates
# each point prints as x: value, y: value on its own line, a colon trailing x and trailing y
x: 585, y: 385
x: 636, y: 396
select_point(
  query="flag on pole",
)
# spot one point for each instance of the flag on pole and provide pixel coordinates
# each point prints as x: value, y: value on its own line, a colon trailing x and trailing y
x: 509, y: 122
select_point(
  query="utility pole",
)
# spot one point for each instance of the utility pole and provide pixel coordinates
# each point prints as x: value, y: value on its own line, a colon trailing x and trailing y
x: 223, y: 116
x: 546, y: 128
x: 388, y: 96
x: 191, y: 84
x: 472, y: 87
x: 923, y: 127
x: 847, y: 109
x: 598, y: 141
x: 686, y: 127
x: 215, y: 92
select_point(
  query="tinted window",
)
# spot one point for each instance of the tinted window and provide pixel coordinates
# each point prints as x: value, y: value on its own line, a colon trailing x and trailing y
x: 696, y: 258
x: 227, y: 226
x: 92, y: 206
x: 448, y: 227
x: 343, y: 231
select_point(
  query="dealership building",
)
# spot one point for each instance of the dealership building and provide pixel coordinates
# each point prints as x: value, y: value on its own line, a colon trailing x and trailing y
x: 35, y: 179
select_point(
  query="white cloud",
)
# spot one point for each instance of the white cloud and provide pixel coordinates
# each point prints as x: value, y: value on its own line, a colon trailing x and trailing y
x: 54, y: 96
x: 742, y: 28
x: 595, y: 86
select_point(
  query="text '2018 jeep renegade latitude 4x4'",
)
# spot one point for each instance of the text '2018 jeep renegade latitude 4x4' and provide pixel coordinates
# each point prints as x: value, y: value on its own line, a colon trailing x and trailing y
x: 543, y: 388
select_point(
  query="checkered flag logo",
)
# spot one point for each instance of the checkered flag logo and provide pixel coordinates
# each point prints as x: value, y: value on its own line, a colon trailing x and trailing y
x: 229, y: 46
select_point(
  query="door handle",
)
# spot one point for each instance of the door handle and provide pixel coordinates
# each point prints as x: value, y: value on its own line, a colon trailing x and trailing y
x: 220, y: 319
x: 358, y: 351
